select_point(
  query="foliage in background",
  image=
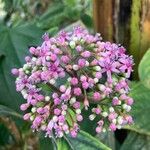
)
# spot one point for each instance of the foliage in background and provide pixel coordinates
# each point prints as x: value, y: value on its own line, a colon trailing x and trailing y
x: 22, y: 24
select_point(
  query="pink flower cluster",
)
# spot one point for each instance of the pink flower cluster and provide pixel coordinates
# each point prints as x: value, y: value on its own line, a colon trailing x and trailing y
x: 69, y: 72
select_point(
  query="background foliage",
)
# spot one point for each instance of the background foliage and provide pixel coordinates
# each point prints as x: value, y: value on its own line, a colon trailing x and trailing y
x: 22, y: 24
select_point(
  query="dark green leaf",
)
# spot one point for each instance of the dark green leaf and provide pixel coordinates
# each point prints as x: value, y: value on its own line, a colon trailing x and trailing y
x: 14, y: 46
x: 144, y: 66
x: 108, y: 138
x: 5, y: 111
x: 86, y: 141
x: 62, y: 144
x: 141, y: 108
x: 136, y: 141
x: 87, y: 20
x: 45, y: 143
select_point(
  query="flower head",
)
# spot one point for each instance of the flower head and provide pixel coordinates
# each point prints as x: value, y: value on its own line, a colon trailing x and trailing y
x: 72, y: 70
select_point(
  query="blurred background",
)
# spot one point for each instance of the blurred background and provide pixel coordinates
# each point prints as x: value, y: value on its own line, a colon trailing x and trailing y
x: 22, y: 24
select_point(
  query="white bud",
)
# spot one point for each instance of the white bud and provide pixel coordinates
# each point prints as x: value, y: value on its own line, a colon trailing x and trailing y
x: 122, y: 91
x: 120, y: 120
x: 33, y: 109
x: 60, y: 134
x: 23, y: 92
x: 75, y: 67
x: 97, y: 68
x: 47, y: 98
x: 63, y: 112
x: 104, y: 114
x: 103, y: 96
x: 27, y: 71
x: 72, y: 44
x: 78, y: 111
x: 52, y: 81
x: 17, y: 78
x: 82, y: 41
x: 34, y: 58
x: 92, y: 117
x: 96, y: 80
x: 87, y: 63
x: 118, y: 126
x: 25, y: 66
x: 128, y: 108
x: 124, y: 106
x: 67, y: 132
x: 75, y: 39
x: 31, y: 118
x: 69, y: 79
x: 101, y: 87
x: 119, y: 102
x: 44, y: 68
x: 25, y: 96
x: 34, y: 68
x: 55, y: 118
x: 114, y: 121
x: 53, y: 46
x: 111, y: 109
x: 21, y: 69
x: 72, y: 100
x: 43, y: 127
x: 48, y: 58
x: 103, y: 130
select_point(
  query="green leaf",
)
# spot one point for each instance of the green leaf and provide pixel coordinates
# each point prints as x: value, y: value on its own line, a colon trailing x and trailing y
x: 5, y: 111
x: 45, y: 143
x: 85, y: 141
x: 14, y: 44
x: 135, y: 141
x: 108, y: 138
x: 62, y: 144
x: 70, y: 3
x: 140, y: 109
x: 87, y: 20
x: 5, y: 136
x: 144, y: 69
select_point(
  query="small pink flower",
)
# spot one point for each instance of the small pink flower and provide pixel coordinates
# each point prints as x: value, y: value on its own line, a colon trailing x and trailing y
x: 57, y: 101
x: 79, y: 48
x: 96, y: 96
x: 94, y: 62
x: 26, y: 116
x: 15, y: 71
x: 98, y: 75
x: 65, y: 59
x: 85, y: 85
x: 76, y: 105
x: 81, y: 63
x: 77, y: 91
x: 27, y: 58
x: 97, y: 111
x: 113, y: 127
x: 74, y: 81
x: 32, y: 50
x: 115, y: 101
x: 86, y: 54
x: 57, y: 111
x: 129, y: 101
x: 83, y: 78
x: 73, y: 133
x: 98, y: 129
x: 112, y: 116
x: 53, y: 57
x: 24, y: 107
x: 79, y: 118
x: 62, y: 88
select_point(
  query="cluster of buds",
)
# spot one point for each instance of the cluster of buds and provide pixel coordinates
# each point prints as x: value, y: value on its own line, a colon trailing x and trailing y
x: 69, y: 72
